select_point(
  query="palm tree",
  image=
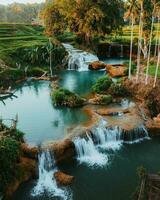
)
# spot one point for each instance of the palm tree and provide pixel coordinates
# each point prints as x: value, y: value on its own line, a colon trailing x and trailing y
x: 149, y: 48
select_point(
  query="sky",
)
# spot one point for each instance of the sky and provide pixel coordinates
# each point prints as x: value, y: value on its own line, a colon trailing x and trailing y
x: 5, y: 2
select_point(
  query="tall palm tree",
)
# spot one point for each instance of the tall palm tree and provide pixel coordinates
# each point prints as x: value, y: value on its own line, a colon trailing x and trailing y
x: 149, y: 48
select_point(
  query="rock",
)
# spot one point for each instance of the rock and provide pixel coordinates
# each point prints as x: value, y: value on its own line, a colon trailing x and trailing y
x: 101, y: 100
x: 28, y: 169
x: 63, y: 150
x: 116, y: 71
x: 153, y: 128
x: 157, y: 119
x: 30, y: 152
x: 97, y: 65
x: 63, y: 179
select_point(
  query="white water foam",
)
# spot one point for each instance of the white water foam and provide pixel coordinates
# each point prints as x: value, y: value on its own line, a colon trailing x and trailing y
x: 88, y: 153
x: 46, y: 181
x: 78, y: 59
x: 107, y: 138
x: 102, y: 138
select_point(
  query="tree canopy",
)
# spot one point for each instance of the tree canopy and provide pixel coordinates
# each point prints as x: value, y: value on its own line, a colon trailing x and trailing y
x: 86, y: 18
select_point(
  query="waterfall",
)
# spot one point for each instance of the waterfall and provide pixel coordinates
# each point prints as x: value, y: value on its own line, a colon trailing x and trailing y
x: 46, y: 181
x: 121, y: 54
x: 107, y: 138
x: 78, y: 59
x: 88, y: 153
x: 94, y: 150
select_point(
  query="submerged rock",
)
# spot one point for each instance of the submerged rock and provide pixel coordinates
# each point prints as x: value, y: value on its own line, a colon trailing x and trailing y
x: 97, y: 65
x: 111, y: 111
x: 63, y: 179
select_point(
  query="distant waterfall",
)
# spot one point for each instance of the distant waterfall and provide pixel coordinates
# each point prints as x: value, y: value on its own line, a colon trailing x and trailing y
x: 46, y: 181
x: 78, y: 59
x: 94, y: 150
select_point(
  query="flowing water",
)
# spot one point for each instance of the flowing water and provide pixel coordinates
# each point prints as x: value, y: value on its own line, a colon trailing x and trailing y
x: 106, y: 161
x: 46, y: 183
x: 90, y: 150
x: 78, y: 59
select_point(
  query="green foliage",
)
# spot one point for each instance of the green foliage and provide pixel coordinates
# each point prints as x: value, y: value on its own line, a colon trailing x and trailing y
x: 106, y: 99
x: 35, y: 72
x: 119, y: 90
x: 102, y: 84
x: 40, y: 54
x: 64, y: 97
x: 19, y: 12
x: 9, y: 151
x: 17, y: 135
x: 86, y: 18
x: 10, y: 75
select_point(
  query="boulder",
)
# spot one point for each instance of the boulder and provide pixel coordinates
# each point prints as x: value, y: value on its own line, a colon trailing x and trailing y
x: 27, y: 169
x: 116, y: 71
x: 157, y: 119
x: 63, y: 179
x: 30, y: 152
x: 97, y: 65
x: 153, y: 128
x: 63, y: 150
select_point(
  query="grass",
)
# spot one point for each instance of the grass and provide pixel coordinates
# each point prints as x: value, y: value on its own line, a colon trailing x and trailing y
x: 15, y: 36
x: 152, y: 70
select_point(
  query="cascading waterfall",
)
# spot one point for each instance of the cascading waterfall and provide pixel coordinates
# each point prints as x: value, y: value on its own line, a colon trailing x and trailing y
x: 107, y: 138
x: 94, y: 150
x: 88, y: 153
x: 46, y: 181
x: 78, y: 59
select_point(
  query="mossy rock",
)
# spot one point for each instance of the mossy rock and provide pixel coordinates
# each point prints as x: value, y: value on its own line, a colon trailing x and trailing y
x: 64, y: 97
x: 102, y: 85
x: 106, y: 99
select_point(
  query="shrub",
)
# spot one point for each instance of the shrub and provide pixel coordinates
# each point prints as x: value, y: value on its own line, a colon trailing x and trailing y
x: 106, y: 99
x: 9, y: 151
x: 64, y: 97
x: 35, y: 72
x: 119, y: 90
x: 102, y: 84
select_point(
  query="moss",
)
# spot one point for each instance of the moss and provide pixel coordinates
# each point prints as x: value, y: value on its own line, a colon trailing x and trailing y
x: 9, y: 151
x: 106, y: 99
x: 102, y: 85
x: 64, y: 97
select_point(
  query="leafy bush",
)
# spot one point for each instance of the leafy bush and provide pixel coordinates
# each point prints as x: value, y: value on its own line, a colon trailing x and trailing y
x: 64, y: 97
x: 17, y: 135
x: 106, y: 99
x: 10, y: 75
x: 37, y: 71
x: 119, y: 90
x: 9, y: 154
x: 102, y: 84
